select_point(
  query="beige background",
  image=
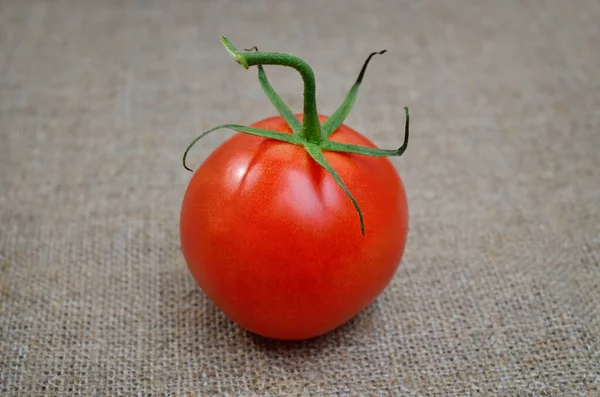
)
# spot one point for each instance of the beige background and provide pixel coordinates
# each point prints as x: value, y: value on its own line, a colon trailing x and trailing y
x: 498, y: 292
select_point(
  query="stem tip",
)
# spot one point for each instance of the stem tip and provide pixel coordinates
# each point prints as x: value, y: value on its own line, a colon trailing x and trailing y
x: 234, y: 52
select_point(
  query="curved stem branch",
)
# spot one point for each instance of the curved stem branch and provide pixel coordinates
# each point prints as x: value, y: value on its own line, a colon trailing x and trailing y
x: 276, y: 100
x: 311, y: 128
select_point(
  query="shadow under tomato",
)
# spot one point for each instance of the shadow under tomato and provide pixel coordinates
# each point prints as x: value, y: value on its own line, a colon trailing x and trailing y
x: 189, y: 320
x: 191, y: 327
x: 353, y: 331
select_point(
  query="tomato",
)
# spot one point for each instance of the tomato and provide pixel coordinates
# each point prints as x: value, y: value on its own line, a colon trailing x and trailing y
x: 298, y: 222
x: 274, y: 242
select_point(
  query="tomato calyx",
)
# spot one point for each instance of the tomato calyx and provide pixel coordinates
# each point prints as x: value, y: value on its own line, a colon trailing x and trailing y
x: 310, y: 134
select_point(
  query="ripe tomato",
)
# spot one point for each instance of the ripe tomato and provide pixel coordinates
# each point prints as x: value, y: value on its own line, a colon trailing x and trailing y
x: 275, y: 243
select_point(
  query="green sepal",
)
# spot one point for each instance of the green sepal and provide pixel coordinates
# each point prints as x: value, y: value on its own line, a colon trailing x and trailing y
x: 280, y: 105
x: 317, y: 154
x: 338, y: 117
x: 368, y: 151
x: 280, y: 136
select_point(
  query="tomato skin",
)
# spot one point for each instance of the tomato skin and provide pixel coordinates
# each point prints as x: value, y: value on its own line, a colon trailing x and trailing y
x: 276, y: 244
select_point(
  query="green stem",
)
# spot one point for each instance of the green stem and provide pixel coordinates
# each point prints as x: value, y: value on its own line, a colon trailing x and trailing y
x: 280, y: 105
x: 311, y: 128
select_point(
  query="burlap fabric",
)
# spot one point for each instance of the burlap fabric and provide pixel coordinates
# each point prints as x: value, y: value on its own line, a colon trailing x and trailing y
x: 498, y: 292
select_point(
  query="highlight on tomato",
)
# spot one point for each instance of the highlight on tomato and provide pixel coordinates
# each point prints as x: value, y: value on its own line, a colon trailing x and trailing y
x: 297, y: 222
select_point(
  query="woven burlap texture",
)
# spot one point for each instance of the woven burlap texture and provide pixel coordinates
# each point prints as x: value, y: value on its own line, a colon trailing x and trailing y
x: 498, y: 291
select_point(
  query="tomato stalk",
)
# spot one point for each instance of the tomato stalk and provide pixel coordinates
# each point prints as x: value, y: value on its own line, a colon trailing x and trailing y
x: 311, y: 128
x: 311, y: 134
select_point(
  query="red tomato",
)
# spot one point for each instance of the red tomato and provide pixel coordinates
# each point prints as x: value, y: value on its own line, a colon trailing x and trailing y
x: 275, y: 243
